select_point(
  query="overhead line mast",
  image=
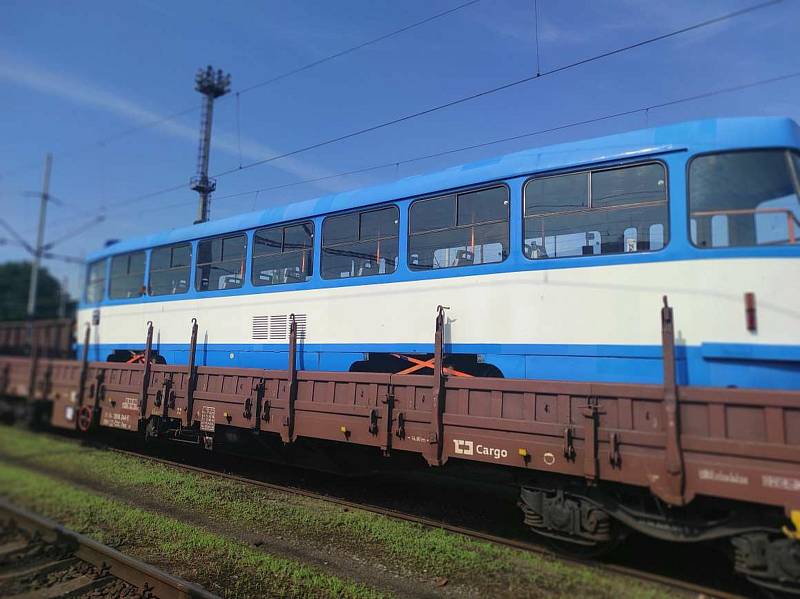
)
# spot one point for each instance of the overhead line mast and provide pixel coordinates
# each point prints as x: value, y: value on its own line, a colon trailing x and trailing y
x: 39, y: 249
x: 212, y: 85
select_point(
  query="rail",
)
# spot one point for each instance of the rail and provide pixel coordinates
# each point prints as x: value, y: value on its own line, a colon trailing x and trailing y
x: 108, y: 560
x: 697, y: 590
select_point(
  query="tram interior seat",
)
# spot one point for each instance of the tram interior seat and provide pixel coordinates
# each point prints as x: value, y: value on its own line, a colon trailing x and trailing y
x: 533, y: 251
x: 369, y: 268
x: 293, y: 273
x: 464, y: 258
x: 229, y: 282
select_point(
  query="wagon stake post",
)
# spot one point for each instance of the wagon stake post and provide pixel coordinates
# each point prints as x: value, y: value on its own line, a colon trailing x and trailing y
x: 86, y: 414
x: 148, y: 349
x: 434, y: 453
x: 288, y: 432
x: 192, y: 375
x: 675, y: 479
x: 34, y: 366
x: 84, y: 367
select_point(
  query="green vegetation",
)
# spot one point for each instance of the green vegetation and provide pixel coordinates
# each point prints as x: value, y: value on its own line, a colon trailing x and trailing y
x: 16, y: 277
x: 242, y: 510
x: 157, y: 536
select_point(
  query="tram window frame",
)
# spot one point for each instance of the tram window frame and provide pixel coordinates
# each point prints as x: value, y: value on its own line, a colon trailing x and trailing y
x: 663, y: 229
x: 359, y: 239
x: 464, y: 257
x: 211, y: 264
x: 307, y: 253
x: 98, y: 283
x: 792, y: 158
x: 135, y: 280
x: 170, y: 269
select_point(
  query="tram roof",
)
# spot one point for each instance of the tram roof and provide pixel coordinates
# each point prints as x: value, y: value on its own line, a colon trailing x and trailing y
x: 695, y: 136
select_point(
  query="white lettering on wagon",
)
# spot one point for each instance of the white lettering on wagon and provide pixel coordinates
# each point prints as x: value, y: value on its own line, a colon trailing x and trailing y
x: 780, y: 482
x: 723, y: 477
x: 462, y: 447
x: 208, y: 418
x: 492, y: 451
x: 116, y: 420
x: 419, y: 439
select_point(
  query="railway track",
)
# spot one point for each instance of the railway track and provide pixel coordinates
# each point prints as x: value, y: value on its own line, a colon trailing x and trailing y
x: 694, y: 589
x: 41, y: 559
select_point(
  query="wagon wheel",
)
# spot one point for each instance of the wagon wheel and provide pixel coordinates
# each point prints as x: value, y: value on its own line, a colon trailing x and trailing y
x: 589, y: 551
x: 85, y: 419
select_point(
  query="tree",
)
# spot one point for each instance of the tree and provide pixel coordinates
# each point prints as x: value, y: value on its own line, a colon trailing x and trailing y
x: 15, y: 278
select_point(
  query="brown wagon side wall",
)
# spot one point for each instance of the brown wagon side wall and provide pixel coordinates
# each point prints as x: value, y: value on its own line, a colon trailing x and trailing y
x: 52, y: 338
x: 735, y: 443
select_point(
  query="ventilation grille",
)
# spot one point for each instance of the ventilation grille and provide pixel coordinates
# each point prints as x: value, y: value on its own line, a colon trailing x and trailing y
x: 275, y: 327
x: 300, y: 319
x: 260, y: 327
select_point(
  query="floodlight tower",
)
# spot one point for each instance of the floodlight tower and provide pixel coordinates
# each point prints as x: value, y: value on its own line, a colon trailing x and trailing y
x: 212, y: 85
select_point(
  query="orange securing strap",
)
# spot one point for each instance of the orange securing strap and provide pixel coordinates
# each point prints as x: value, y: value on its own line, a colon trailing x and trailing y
x: 420, y: 364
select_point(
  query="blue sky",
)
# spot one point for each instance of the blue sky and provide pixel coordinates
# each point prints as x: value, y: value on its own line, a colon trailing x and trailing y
x: 73, y: 73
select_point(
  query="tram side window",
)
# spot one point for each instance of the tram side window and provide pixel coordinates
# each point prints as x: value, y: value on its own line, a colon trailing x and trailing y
x: 127, y: 276
x: 462, y: 229
x: 170, y: 269
x: 283, y: 254
x: 609, y: 211
x: 744, y: 199
x: 220, y: 263
x: 96, y: 281
x: 360, y: 244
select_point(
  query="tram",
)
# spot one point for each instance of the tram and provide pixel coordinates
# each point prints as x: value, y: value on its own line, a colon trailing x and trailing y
x: 551, y: 262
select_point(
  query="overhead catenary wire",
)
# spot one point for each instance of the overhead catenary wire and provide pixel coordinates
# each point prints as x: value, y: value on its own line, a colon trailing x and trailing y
x: 397, y: 163
x: 629, y: 112
x: 238, y: 128
x: 610, y: 116
x: 156, y: 193
x: 17, y: 237
x: 503, y: 87
x: 94, y: 221
x: 536, y: 35
x: 694, y: 27
x: 102, y: 142
x: 352, y: 49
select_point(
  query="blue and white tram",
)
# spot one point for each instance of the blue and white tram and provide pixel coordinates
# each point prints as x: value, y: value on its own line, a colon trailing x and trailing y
x: 553, y: 262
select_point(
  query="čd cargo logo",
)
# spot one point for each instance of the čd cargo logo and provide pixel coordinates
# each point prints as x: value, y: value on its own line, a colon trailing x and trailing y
x: 469, y: 448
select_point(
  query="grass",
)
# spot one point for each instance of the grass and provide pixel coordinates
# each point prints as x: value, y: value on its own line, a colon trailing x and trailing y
x: 236, y: 569
x: 409, y: 548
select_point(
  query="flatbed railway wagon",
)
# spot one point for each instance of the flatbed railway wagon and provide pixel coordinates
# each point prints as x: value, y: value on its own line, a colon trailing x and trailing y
x: 615, y: 322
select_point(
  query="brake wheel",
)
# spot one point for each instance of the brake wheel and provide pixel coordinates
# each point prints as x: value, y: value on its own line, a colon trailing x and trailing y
x: 85, y: 419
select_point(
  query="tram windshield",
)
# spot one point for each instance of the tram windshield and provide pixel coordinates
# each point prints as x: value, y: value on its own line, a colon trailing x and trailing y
x: 744, y: 198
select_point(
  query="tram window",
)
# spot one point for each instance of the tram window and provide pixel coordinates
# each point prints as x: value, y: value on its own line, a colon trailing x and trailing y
x: 627, y: 186
x: 220, y: 263
x: 434, y: 215
x: 610, y: 211
x: 170, y: 269
x: 463, y: 229
x: 557, y: 194
x: 127, y: 276
x: 360, y: 244
x: 744, y: 198
x: 283, y: 254
x: 96, y: 281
